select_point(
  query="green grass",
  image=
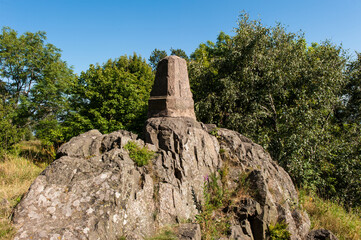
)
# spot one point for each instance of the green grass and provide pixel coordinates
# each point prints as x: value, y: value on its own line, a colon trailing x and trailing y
x: 140, y: 155
x: 16, y: 175
x: 332, y: 216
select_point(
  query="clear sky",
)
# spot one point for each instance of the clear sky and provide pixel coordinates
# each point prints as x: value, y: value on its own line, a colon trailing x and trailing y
x: 90, y: 32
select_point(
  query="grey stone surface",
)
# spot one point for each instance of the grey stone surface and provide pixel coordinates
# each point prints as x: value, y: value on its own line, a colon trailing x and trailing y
x: 321, y: 234
x: 94, y: 196
x: 84, y: 145
x: 171, y: 95
x: 189, y: 231
x: 270, y: 185
x: 93, y: 190
x: 241, y: 232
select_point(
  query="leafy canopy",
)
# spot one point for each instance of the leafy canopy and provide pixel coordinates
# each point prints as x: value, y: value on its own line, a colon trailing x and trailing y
x: 158, y: 55
x: 34, y: 81
x: 111, y: 97
x: 269, y: 85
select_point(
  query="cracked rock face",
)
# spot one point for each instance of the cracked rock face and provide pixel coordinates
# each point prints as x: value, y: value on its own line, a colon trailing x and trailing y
x: 95, y: 191
x: 88, y: 195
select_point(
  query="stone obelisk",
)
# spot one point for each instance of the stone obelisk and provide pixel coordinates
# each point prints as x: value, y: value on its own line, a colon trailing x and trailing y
x: 171, y: 95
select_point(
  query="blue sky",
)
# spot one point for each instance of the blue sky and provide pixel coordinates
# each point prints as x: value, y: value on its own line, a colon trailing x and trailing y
x: 90, y: 32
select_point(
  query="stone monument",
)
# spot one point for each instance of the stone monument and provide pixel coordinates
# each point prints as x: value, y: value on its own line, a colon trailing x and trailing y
x: 171, y: 95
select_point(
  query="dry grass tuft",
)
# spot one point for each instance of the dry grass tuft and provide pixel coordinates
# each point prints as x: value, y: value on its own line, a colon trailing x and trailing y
x: 332, y: 216
x: 16, y: 175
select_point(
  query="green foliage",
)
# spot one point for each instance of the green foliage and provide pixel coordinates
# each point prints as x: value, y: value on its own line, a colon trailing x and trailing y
x: 279, y: 231
x: 180, y: 53
x: 155, y: 57
x: 9, y: 133
x: 34, y: 81
x: 213, y: 192
x: 110, y: 97
x: 158, y: 55
x: 351, y: 111
x: 214, y: 132
x: 140, y: 155
x: 243, y: 187
x: 269, y: 85
x: 37, y: 151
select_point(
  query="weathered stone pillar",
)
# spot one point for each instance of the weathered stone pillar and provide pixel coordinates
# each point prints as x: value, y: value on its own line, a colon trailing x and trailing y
x: 171, y: 95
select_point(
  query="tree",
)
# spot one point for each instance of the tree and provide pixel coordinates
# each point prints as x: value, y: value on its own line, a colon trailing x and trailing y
x: 111, y: 97
x: 269, y: 85
x: 158, y: 55
x: 351, y: 112
x: 35, y: 78
x: 9, y: 133
x: 346, y: 133
x: 155, y: 57
x: 180, y: 53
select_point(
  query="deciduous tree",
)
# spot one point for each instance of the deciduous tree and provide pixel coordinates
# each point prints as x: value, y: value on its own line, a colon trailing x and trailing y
x: 155, y: 57
x: 271, y: 86
x: 35, y: 79
x: 111, y: 96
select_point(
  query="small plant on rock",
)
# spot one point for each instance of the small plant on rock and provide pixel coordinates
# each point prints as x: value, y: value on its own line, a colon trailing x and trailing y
x: 279, y: 231
x: 214, y: 132
x: 243, y: 187
x: 213, y: 221
x: 140, y: 155
x: 167, y: 233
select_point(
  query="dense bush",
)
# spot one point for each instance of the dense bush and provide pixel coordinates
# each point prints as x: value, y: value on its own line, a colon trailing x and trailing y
x: 270, y: 85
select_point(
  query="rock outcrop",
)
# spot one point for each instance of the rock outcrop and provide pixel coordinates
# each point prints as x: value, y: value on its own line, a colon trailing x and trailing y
x: 321, y: 234
x: 94, y: 190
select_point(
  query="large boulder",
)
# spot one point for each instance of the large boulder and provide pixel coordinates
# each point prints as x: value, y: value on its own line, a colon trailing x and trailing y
x: 321, y: 234
x: 86, y: 194
x: 94, y: 190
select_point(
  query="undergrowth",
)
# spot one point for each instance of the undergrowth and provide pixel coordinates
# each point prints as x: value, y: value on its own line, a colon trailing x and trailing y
x: 35, y: 150
x: 213, y: 221
x: 140, y: 155
x: 17, y: 172
x: 332, y: 216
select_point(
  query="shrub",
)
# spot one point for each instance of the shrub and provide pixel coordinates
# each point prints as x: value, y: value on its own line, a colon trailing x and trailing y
x: 140, y: 155
x: 279, y: 231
